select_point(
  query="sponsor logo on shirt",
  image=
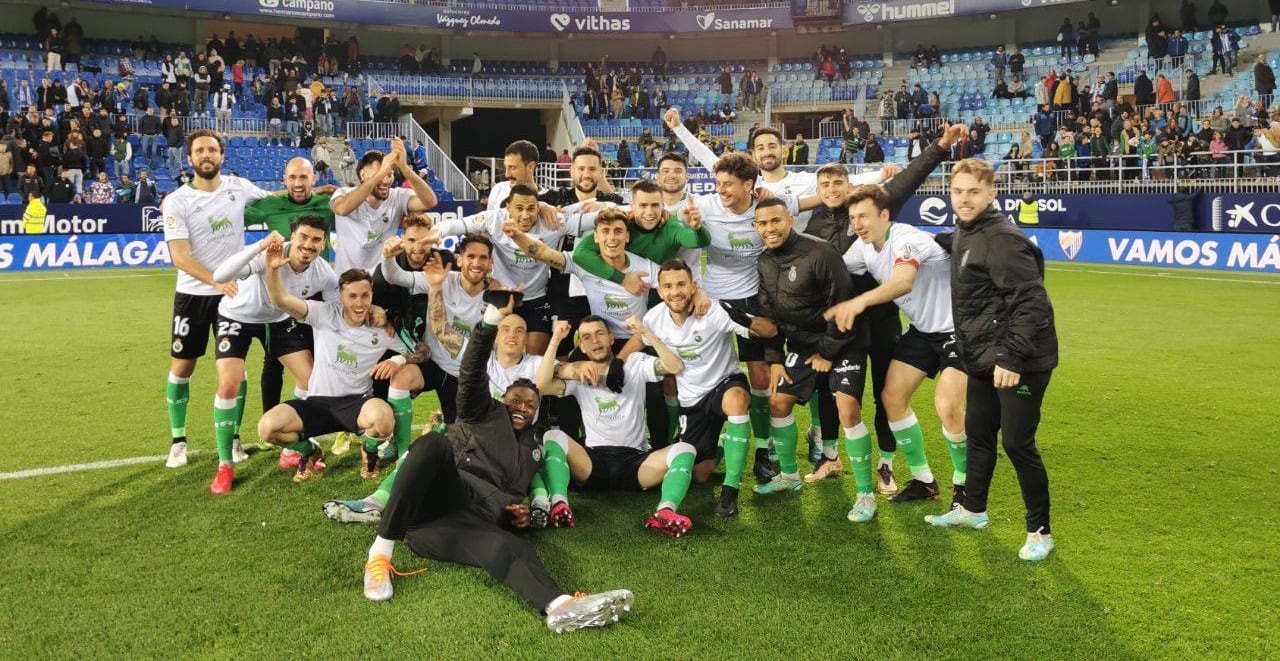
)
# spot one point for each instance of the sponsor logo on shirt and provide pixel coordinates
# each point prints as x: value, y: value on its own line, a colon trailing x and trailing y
x: 342, y: 355
x: 218, y: 224
x: 608, y: 407
x: 687, y: 354
x: 615, y: 302
x: 522, y: 258
x: 740, y: 241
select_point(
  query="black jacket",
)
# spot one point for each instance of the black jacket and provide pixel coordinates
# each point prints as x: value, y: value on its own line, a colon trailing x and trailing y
x: 1264, y: 79
x: 495, y: 461
x: 800, y: 280
x: 406, y: 312
x: 1001, y: 310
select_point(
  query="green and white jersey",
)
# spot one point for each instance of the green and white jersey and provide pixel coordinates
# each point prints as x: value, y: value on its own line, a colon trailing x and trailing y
x: 735, y: 248
x: 251, y: 303
x: 362, y: 232
x: 462, y: 312
x: 928, y: 304
x: 344, y: 354
x: 501, y: 378
x: 616, y: 419
x: 610, y: 300
x: 511, y: 266
x: 705, y: 345
x: 212, y: 222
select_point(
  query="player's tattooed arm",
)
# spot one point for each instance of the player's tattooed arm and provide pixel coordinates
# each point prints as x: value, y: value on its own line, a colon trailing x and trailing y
x: 532, y: 247
x: 437, y: 316
x: 421, y: 352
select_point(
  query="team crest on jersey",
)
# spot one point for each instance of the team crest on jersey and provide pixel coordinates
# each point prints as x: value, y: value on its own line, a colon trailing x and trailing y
x: 373, y: 339
x: 697, y: 337
x: 177, y: 346
x: 791, y: 275
x: 537, y: 454
x: 305, y: 290
x: 225, y: 345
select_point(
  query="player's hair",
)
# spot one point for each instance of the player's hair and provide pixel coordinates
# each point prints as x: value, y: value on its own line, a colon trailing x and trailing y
x: 645, y: 186
x: 469, y: 239
x: 527, y: 151
x: 739, y: 165
x: 311, y: 220
x: 371, y: 157
x: 593, y: 318
x: 674, y: 156
x: 520, y: 189
x: 205, y: 133
x: 353, y: 275
x: 675, y: 264
x: 833, y: 170
x: 877, y: 194
x: 585, y: 151
x: 770, y: 202
x: 610, y: 215
x: 764, y: 130
x: 523, y: 383
x: 975, y: 168
x: 415, y: 220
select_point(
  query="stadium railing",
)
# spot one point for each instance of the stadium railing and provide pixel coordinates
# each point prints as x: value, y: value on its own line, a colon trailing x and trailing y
x: 454, y: 179
x: 468, y: 90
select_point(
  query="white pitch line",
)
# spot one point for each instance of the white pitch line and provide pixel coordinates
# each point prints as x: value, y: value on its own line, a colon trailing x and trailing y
x: 9, y: 281
x: 73, y: 468
x: 1164, y: 275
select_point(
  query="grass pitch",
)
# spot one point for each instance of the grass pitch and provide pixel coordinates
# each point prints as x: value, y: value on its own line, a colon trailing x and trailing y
x: 1160, y: 435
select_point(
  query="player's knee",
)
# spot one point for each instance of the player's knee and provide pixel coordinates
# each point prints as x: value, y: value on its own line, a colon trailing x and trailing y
x: 736, y: 402
x: 556, y: 437
x: 896, y: 401
x: 408, y: 377
x: 780, y: 407
x: 266, y: 428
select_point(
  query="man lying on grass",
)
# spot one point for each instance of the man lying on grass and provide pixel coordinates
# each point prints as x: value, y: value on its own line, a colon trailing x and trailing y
x: 456, y: 496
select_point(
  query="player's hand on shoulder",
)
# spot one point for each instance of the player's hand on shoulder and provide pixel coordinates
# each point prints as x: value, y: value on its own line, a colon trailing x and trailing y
x: 701, y: 302
x: 634, y: 283
x: 550, y: 217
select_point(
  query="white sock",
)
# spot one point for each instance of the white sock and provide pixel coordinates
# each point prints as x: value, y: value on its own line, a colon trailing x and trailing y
x: 886, y: 461
x: 382, y: 546
x: 288, y: 452
x: 558, y: 602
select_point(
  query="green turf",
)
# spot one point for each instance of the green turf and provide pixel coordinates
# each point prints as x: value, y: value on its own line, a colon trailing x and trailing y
x: 1160, y: 435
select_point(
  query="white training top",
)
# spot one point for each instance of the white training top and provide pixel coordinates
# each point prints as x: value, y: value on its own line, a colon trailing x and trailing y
x: 928, y: 305
x: 610, y: 300
x: 511, y: 266
x: 735, y: 248
x: 501, y: 378
x: 462, y: 313
x: 252, y: 304
x: 616, y: 419
x: 498, y: 194
x: 362, y: 232
x: 343, y: 354
x: 212, y: 222
x: 705, y: 345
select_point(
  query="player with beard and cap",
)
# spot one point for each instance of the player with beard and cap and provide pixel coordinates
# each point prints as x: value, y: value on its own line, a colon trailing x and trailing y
x: 250, y: 314
x: 832, y: 223
x: 459, y: 493
x: 368, y: 214
x: 203, y: 226
x: 279, y: 213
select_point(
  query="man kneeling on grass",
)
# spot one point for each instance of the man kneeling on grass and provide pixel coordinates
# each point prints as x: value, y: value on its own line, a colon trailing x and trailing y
x: 454, y: 494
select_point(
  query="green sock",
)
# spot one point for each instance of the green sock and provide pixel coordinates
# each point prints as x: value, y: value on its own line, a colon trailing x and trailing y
x: 736, y: 442
x: 224, y: 426
x: 887, y: 457
x: 911, y: 442
x: 857, y: 444
x: 785, y: 435
x: 555, y: 461
x: 538, y: 486
x: 301, y: 445
x: 383, y: 492
x: 759, y: 413
x: 675, y: 484
x: 402, y: 407
x: 244, y: 387
x: 958, y: 446
x: 177, y: 392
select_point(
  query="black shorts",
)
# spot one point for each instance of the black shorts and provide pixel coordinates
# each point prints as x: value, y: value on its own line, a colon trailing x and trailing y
x: 193, y: 321
x: 928, y: 352
x: 563, y: 306
x: 750, y: 349
x: 325, y: 415
x: 445, y: 385
x: 701, y: 423
x: 614, y: 468
x: 536, y: 313
x: 279, y: 338
x: 848, y: 375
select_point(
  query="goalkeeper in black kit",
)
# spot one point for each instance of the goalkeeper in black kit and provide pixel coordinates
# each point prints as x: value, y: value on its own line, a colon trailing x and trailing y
x: 457, y: 496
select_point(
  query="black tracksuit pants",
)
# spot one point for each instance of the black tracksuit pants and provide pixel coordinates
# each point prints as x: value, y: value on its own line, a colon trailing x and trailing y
x: 435, y: 512
x: 1015, y: 414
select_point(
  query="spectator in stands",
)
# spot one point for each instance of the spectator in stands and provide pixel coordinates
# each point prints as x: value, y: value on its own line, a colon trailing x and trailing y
x: 101, y: 191
x: 915, y: 143
x: 935, y: 56
x: 202, y: 81
x: 1264, y: 81
x: 477, y: 65
x: 7, y: 183
x: 1188, y: 14
x: 1017, y: 88
x: 919, y: 101
x: 1016, y: 62
x: 726, y: 81
x: 980, y: 128
x: 1274, y: 6
x: 1164, y: 91
x: 30, y: 183
x: 217, y: 70
x: 1044, y: 124
x: 53, y: 51
x: 1064, y: 94
x: 1066, y: 38
x: 63, y: 190
x: 1177, y: 49
x: 121, y: 155
x: 999, y: 60
x: 798, y: 151
x: 1218, y: 121
x: 887, y: 109
x: 73, y: 160
x: 1157, y: 42
x: 1221, y: 44
x: 919, y: 59
x: 659, y: 62
x: 223, y: 102
x: 293, y: 114
x: 904, y: 108
x: 1042, y: 92
x: 1218, y: 149
x: 642, y: 105
x: 126, y: 190
x: 174, y: 138
x: 149, y: 129
x: 874, y: 151
x: 1143, y: 91
x: 1191, y: 92
x: 48, y: 155
x: 146, y: 192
